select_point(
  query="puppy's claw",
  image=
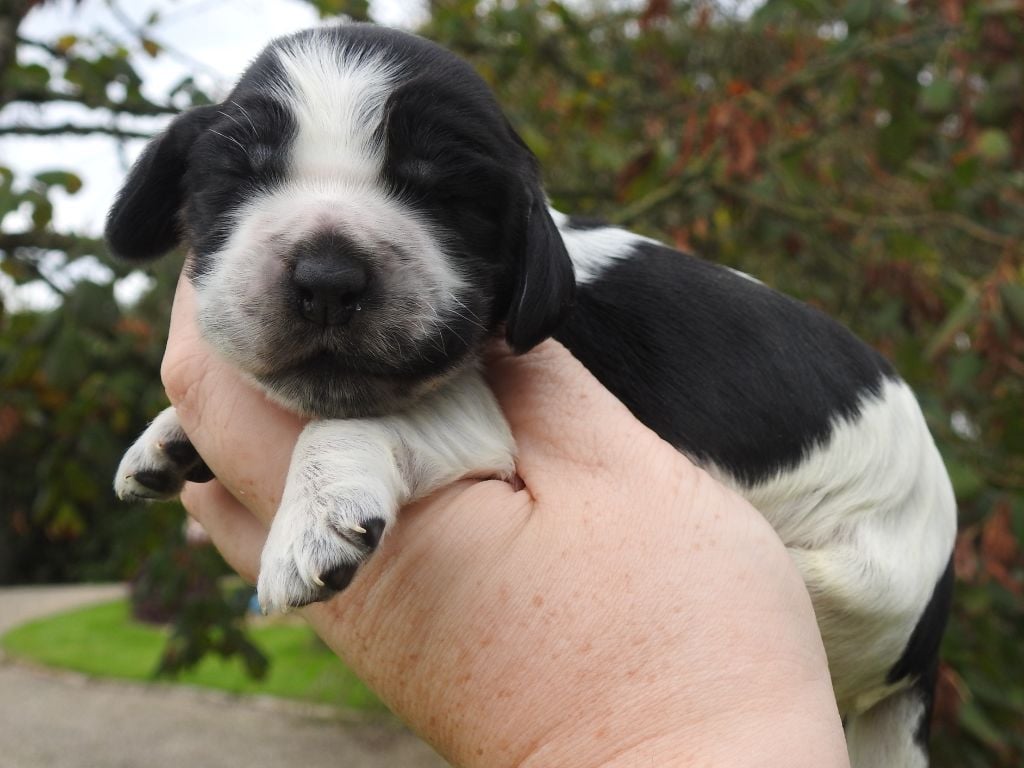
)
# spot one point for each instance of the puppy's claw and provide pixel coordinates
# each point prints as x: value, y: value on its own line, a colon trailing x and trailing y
x: 357, y: 528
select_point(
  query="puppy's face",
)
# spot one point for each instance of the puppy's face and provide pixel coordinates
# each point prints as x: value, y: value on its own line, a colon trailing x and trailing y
x: 360, y: 217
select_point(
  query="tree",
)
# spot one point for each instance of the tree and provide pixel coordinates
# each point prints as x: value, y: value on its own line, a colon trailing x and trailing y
x: 866, y: 156
x: 80, y: 381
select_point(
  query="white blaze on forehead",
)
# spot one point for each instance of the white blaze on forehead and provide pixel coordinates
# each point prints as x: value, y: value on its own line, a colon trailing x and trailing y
x: 337, y: 97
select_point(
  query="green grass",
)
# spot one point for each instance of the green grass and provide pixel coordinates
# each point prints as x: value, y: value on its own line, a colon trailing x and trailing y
x: 104, y: 641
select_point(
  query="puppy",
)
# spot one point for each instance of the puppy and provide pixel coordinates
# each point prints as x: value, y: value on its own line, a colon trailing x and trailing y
x: 361, y: 218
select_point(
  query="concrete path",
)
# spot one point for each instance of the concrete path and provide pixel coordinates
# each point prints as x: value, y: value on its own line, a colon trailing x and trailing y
x: 54, y: 719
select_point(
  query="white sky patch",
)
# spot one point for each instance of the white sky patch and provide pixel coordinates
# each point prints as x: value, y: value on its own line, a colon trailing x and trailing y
x: 211, y: 41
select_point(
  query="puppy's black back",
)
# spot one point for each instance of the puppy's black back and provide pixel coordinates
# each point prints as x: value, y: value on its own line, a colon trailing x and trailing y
x: 722, y: 367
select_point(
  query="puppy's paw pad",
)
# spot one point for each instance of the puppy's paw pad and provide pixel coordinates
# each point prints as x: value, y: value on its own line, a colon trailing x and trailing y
x: 160, y: 461
x: 157, y: 482
x: 340, y: 577
x: 366, y: 533
x: 179, y: 452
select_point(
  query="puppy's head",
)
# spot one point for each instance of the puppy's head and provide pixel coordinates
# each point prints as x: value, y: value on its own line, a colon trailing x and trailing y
x: 360, y: 217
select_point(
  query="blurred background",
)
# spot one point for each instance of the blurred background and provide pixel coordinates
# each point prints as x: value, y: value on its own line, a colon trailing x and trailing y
x: 866, y: 156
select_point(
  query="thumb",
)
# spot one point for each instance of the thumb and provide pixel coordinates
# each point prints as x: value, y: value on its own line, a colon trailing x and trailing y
x: 563, y: 418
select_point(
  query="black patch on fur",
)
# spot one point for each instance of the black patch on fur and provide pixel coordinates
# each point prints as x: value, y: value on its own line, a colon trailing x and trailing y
x: 722, y: 367
x: 452, y: 154
x: 545, y: 283
x: 209, y: 161
x: 243, y: 154
x: 920, y: 659
x: 144, y: 221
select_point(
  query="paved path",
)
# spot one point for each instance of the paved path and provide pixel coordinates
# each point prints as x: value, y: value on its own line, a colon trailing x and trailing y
x: 61, y: 720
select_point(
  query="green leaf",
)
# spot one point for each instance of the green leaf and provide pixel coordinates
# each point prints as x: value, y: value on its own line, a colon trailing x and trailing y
x: 1012, y: 295
x: 967, y: 482
x: 28, y: 77
x: 358, y: 10
x: 897, y: 140
x: 965, y: 313
x: 963, y: 371
x: 994, y: 146
x: 69, y: 181
x: 860, y: 13
x: 93, y: 306
x: 938, y: 97
x: 65, y: 43
x: 42, y: 212
x: 976, y: 722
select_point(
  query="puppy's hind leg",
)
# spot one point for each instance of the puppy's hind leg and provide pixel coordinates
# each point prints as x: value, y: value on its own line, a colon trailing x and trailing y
x: 895, y: 731
x: 892, y: 734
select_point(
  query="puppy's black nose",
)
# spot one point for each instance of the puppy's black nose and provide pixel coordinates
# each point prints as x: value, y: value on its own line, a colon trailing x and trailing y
x: 329, y: 278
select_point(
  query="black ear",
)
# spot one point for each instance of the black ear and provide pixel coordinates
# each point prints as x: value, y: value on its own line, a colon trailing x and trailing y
x: 144, y: 222
x: 544, y: 280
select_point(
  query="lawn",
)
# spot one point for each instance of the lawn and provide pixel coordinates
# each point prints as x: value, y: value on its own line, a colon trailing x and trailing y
x: 104, y: 641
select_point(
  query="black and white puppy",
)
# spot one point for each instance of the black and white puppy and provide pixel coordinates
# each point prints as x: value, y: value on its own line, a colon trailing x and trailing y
x: 361, y: 218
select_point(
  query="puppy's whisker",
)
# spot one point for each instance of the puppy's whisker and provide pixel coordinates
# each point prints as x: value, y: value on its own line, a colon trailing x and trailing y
x: 230, y: 117
x: 245, y: 114
x: 229, y: 138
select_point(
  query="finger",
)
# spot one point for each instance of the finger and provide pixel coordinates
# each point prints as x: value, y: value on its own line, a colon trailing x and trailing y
x: 244, y: 438
x: 562, y: 417
x: 237, y: 534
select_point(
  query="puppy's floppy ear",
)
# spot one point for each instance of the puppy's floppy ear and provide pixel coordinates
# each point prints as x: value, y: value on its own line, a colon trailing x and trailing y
x: 144, y: 221
x: 544, y: 281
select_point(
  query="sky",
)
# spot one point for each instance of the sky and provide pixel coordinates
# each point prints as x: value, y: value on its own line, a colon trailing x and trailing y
x: 211, y: 39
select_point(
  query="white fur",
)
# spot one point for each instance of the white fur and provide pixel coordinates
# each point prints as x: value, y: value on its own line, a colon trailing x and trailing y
x: 344, y: 472
x: 337, y: 99
x: 869, y: 518
x: 593, y: 251
x: 883, y: 736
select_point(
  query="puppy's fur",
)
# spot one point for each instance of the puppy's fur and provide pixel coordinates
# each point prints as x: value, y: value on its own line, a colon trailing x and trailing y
x: 361, y: 217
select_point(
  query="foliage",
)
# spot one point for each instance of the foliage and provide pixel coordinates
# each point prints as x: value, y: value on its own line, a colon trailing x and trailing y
x: 866, y: 155
x: 179, y: 585
x: 104, y: 641
x: 80, y: 382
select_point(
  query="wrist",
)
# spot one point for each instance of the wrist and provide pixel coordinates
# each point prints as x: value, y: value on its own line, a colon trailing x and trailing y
x: 798, y: 727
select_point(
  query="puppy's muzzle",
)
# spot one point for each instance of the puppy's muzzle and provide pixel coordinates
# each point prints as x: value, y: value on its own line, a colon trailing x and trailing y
x: 329, y: 277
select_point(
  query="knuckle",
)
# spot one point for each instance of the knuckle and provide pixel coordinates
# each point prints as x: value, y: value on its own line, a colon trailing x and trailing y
x: 182, y: 373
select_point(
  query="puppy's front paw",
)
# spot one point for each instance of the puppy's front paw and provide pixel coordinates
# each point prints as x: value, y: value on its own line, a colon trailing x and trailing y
x: 316, y: 544
x: 159, y: 462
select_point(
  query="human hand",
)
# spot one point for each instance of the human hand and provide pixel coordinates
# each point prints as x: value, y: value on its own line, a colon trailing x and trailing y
x: 621, y: 609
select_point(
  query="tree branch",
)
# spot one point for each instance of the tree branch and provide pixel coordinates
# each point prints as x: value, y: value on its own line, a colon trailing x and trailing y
x: 138, y: 109
x: 72, y: 130
x: 72, y: 245
x: 809, y: 214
